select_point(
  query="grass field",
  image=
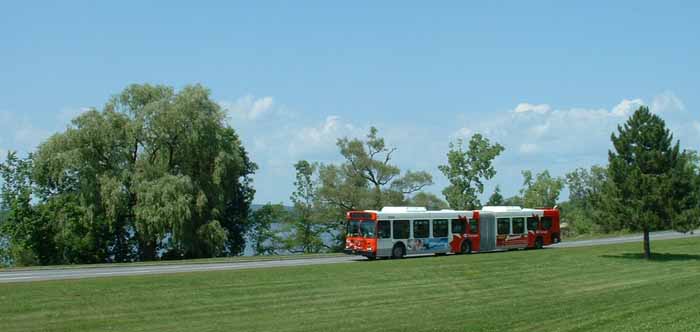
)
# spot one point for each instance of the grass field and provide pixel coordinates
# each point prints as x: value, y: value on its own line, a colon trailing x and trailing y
x: 605, y: 288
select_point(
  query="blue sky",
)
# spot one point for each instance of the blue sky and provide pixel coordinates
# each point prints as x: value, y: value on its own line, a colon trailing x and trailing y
x: 548, y: 80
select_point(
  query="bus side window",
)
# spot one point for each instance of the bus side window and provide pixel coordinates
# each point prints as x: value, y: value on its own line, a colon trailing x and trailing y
x: 384, y: 229
x: 421, y: 229
x: 458, y: 226
x: 473, y: 226
x: 503, y: 225
x: 440, y: 228
x: 401, y: 229
x: 531, y: 224
x: 547, y: 222
x: 518, y: 225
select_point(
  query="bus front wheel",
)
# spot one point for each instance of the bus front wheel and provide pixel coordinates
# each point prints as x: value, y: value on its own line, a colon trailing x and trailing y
x: 398, y: 251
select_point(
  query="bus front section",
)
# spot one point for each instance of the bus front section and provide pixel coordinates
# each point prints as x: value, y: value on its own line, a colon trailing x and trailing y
x: 361, y: 234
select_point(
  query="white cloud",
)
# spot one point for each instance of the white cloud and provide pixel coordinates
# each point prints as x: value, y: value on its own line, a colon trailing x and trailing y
x: 322, y: 136
x: 248, y: 107
x: 463, y: 133
x: 696, y: 126
x: 532, y: 108
x: 528, y: 148
x: 666, y: 102
x: 626, y: 107
x: 19, y: 134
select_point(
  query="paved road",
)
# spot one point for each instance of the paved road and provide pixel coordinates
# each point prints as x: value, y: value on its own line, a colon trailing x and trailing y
x: 665, y: 235
x: 93, y: 272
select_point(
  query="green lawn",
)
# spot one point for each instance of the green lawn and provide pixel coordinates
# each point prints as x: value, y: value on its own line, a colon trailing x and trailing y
x: 605, y: 288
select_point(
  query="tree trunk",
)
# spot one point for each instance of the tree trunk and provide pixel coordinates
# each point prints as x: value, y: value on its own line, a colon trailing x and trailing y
x: 647, y: 249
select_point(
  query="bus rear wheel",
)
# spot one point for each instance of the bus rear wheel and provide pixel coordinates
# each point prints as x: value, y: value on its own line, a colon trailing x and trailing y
x: 555, y: 238
x: 398, y: 251
x: 466, y: 248
x: 538, y: 243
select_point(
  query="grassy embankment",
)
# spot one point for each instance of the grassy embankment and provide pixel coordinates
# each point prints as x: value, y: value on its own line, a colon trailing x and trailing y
x: 605, y: 288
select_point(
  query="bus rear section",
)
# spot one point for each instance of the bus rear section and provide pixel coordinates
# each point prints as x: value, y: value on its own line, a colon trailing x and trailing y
x: 512, y: 227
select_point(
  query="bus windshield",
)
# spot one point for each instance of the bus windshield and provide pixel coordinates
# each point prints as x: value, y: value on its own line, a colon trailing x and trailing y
x: 368, y: 229
x: 353, y: 228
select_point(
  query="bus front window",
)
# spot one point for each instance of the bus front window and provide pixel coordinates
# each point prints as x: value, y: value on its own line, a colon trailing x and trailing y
x: 353, y: 228
x: 369, y: 229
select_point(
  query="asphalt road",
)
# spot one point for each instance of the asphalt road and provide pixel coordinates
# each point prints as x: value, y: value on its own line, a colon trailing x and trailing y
x: 94, y: 272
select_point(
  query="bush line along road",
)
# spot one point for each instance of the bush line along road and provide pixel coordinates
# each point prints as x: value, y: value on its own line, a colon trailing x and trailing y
x: 254, y: 262
x: 600, y: 288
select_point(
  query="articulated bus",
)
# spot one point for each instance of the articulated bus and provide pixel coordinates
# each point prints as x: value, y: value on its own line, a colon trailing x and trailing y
x: 400, y: 231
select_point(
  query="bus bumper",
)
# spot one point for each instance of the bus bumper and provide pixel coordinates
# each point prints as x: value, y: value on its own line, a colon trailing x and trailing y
x: 369, y: 254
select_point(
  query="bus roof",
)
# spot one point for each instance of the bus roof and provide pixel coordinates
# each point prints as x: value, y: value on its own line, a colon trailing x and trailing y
x: 411, y: 212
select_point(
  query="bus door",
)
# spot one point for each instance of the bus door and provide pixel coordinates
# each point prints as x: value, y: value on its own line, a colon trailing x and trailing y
x: 473, y: 233
x: 384, y: 241
x: 458, y: 232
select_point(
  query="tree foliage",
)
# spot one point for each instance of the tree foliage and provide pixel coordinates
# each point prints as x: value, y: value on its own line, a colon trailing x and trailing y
x: 541, y: 190
x: 154, y: 172
x: 366, y: 179
x: 466, y: 171
x: 496, y: 199
x: 585, y: 212
x: 368, y: 168
x: 265, y: 239
x: 307, y: 220
x: 653, y: 180
x: 427, y: 200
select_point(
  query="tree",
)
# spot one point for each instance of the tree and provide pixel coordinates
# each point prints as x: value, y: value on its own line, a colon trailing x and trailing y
x: 365, y: 180
x: 585, y: 211
x: 686, y: 185
x: 496, y: 198
x: 266, y: 240
x: 306, y: 221
x: 367, y: 165
x: 541, y: 190
x: 154, y: 174
x: 427, y: 200
x: 646, y: 168
x: 514, y: 201
x: 466, y: 170
x: 26, y: 236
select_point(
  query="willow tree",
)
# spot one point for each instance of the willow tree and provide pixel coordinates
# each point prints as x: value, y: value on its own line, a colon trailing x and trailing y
x: 155, y: 171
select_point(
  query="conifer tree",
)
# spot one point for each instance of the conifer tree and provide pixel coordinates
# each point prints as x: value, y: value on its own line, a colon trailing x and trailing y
x: 646, y: 168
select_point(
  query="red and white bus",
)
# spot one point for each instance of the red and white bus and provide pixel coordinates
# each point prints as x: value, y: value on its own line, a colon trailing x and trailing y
x: 400, y: 231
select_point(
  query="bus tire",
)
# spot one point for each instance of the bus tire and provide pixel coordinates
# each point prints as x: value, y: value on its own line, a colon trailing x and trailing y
x: 555, y: 238
x: 538, y: 243
x: 466, y: 247
x: 398, y: 251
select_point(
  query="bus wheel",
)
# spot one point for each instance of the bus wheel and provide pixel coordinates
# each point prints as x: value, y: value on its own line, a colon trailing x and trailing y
x: 538, y: 243
x: 555, y: 238
x: 466, y: 248
x: 398, y: 251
